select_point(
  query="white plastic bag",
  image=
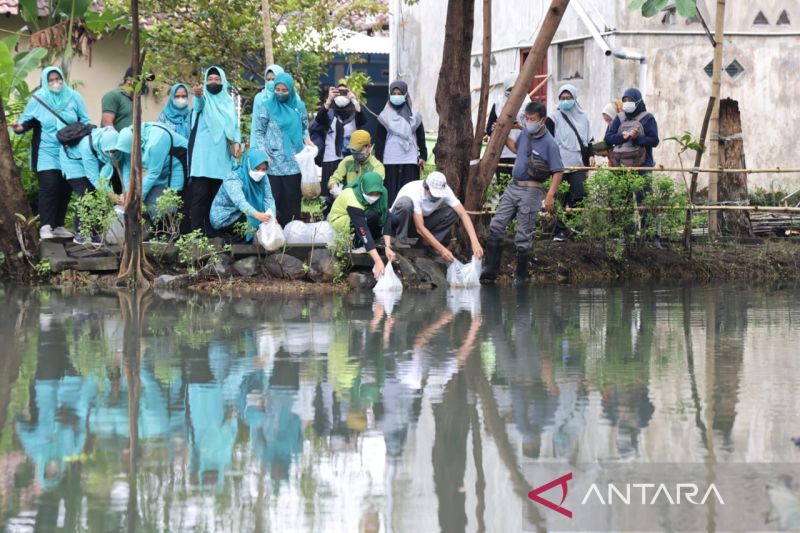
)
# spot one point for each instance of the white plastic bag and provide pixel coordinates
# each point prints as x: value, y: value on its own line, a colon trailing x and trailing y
x: 468, y: 300
x: 318, y: 233
x: 464, y: 276
x: 309, y: 179
x: 336, y: 190
x: 389, y: 282
x: 116, y: 232
x: 270, y: 235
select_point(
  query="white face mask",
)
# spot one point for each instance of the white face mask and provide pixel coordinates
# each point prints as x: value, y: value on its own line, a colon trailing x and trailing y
x: 257, y: 175
x: 55, y: 86
x: 372, y: 199
x: 629, y: 107
x: 341, y: 101
x: 180, y: 103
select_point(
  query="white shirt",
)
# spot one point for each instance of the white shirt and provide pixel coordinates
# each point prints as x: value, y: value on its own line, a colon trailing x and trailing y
x: 422, y: 203
x: 330, y: 140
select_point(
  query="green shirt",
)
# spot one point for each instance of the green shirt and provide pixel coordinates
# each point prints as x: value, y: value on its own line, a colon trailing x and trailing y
x: 349, y: 169
x: 338, y: 217
x: 118, y: 101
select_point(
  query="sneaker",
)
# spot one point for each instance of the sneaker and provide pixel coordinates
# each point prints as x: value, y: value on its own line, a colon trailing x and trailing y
x: 560, y: 236
x: 79, y: 239
x: 46, y: 232
x: 63, y: 233
x: 361, y: 250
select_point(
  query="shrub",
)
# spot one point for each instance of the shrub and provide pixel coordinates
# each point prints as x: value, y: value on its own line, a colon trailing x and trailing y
x: 656, y: 220
x: 340, y: 250
x: 196, y: 251
x: 96, y: 213
x: 166, y: 225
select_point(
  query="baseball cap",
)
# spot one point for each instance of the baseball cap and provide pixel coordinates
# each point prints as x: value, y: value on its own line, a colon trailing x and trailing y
x: 437, y: 184
x: 359, y: 139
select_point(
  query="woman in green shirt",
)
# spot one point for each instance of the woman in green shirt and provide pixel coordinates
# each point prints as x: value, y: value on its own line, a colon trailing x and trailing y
x: 361, y: 211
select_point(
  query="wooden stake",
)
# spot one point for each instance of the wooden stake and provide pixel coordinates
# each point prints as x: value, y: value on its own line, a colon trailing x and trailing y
x: 716, y: 85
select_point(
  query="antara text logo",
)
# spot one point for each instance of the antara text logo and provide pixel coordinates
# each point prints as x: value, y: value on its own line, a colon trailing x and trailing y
x: 628, y: 494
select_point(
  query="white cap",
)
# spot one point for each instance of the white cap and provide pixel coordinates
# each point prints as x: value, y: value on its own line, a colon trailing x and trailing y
x: 437, y: 184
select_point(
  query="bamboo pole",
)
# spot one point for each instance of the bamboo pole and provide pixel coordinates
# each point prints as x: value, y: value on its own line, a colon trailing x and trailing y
x: 751, y: 208
x: 698, y: 158
x: 716, y: 86
x: 776, y: 170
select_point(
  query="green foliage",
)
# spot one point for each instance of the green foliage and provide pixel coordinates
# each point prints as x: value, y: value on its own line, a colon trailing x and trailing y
x: 668, y: 223
x: 43, y: 268
x: 688, y: 142
x: 768, y: 197
x: 166, y: 225
x: 2, y: 259
x: 96, y: 213
x: 243, y: 229
x: 15, y: 68
x: 60, y: 11
x: 196, y: 251
x: 650, y: 8
x: 109, y: 19
x: 340, y: 250
x: 315, y: 207
x: 356, y: 82
x: 609, y: 208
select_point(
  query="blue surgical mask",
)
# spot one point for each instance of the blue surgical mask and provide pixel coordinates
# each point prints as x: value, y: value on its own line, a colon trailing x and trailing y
x: 397, y: 99
x: 566, y: 105
x: 534, y: 128
x: 270, y: 85
x: 282, y: 97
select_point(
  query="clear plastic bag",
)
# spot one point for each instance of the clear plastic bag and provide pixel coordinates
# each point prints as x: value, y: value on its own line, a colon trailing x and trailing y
x: 389, y: 282
x: 465, y: 276
x: 270, y: 235
x: 468, y: 300
x: 318, y: 233
x: 116, y: 232
x: 309, y: 179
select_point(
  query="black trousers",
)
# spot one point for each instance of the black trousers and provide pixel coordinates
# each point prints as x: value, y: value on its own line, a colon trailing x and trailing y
x: 397, y: 176
x: 54, y: 193
x: 327, y: 171
x: 203, y: 191
x: 576, y: 193
x: 286, y: 191
x: 81, y: 186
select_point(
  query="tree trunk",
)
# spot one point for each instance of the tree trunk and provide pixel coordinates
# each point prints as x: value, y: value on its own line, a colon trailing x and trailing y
x: 134, y: 269
x: 477, y: 187
x: 12, y: 201
x: 716, y: 88
x: 732, y: 186
x: 453, y: 99
x: 266, y: 17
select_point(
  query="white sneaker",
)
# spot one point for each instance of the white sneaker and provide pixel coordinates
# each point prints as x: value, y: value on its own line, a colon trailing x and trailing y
x: 46, y: 232
x: 63, y: 232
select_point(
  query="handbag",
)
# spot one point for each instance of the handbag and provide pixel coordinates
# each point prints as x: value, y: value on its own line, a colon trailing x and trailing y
x: 584, y: 149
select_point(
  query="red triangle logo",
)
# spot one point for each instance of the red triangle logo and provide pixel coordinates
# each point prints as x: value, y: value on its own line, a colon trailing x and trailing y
x: 562, y: 482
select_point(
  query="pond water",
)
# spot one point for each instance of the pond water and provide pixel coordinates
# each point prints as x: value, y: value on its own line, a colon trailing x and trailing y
x: 439, y: 411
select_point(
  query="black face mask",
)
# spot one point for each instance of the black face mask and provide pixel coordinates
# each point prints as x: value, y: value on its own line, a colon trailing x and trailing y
x: 214, y: 88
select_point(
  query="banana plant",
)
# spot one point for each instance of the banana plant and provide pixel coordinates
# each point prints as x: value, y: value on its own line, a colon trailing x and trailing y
x: 15, y: 68
x: 650, y: 8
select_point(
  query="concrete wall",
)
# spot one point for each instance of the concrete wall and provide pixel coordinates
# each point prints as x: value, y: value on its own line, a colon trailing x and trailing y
x: 678, y: 87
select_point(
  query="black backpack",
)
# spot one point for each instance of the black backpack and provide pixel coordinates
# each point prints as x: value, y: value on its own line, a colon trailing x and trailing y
x: 71, y: 134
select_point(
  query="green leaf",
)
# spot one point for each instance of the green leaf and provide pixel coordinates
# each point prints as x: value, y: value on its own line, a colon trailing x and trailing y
x: 24, y: 64
x: 635, y: 5
x: 11, y: 41
x: 65, y: 8
x: 6, y: 70
x: 653, y: 7
x: 29, y: 11
x: 686, y: 8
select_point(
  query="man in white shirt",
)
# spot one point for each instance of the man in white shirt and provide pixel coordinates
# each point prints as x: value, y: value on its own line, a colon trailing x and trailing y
x: 434, y: 208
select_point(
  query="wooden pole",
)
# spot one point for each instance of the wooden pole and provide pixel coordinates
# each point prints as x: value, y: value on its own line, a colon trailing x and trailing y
x: 698, y: 158
x: 661, y: 168
x: 716, y: 86
x: 266, y: 17
x: 488, y: 164
x: 483, y: 99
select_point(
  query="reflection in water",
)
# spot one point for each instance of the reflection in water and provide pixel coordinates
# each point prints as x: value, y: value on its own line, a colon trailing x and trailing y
x: 354, y: 412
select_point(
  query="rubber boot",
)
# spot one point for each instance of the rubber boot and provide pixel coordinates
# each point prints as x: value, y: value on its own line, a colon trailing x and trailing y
x: 494, y: 254
x: 523, y: 260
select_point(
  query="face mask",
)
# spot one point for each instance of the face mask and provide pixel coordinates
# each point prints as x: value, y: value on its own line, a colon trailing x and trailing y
x: 214, y: 88
x: 270, y: 85
x: 282, y: 97
x: 341, y: 101
x: 180, y: 103
x: 397, y: 99
x: 257, y: 175
x: 534, y: 128
x: 566, y: 105
x: 55, y: 86
x: 360, y: 156
x: 372, y: 199
x: 629, y: 107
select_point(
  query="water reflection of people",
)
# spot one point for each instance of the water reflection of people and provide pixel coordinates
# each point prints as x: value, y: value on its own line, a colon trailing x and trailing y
x: 59, y: 406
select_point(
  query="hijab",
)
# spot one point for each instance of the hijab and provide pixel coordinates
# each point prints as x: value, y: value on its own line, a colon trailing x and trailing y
x: 56, y: 101
x: 367, y: 183
x: 253, y: 192
x: 401, y: 121
x: 275, y: 69
x: 288, y: 115
x: 565, y: 136
x: 610, y: 109
x: 219, y: 109
x: 179, y: 118
x: 636, y: 95
x: 344, y: 115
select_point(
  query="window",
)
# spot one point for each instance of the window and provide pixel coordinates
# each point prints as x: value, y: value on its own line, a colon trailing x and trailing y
x: 783, y: 20
x: 735, y: 69
x: 760, y: 20
x: 570, y: 62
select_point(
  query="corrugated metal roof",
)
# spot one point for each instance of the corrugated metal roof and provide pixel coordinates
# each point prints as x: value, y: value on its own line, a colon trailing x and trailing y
x: 350, y: 42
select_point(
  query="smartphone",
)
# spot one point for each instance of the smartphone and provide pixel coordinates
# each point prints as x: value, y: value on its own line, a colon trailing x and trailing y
x: 342, y: 92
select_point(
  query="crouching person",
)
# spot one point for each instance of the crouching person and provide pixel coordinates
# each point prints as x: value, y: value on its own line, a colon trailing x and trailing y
x: 434, y: 208
x: 537, y: 159
x: 361, y: 210
x: 163, y: 161
x: 244, y: 192
x: 87, y: 166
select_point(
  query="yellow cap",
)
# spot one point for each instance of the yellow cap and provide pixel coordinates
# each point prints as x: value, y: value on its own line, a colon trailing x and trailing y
x: 359, y: 139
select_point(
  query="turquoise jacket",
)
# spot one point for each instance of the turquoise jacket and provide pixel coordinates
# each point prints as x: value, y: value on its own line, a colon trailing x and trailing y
x: 162, y: 169
x: 89, y: 158
x: 230, y: 203
x: 45, y: 149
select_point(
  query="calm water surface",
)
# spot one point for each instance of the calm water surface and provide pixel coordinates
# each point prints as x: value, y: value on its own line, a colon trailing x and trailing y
x: 176, y: 412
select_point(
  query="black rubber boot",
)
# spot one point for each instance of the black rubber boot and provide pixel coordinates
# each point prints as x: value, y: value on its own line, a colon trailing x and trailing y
x: 523, y: 261
x: 494, y: 254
